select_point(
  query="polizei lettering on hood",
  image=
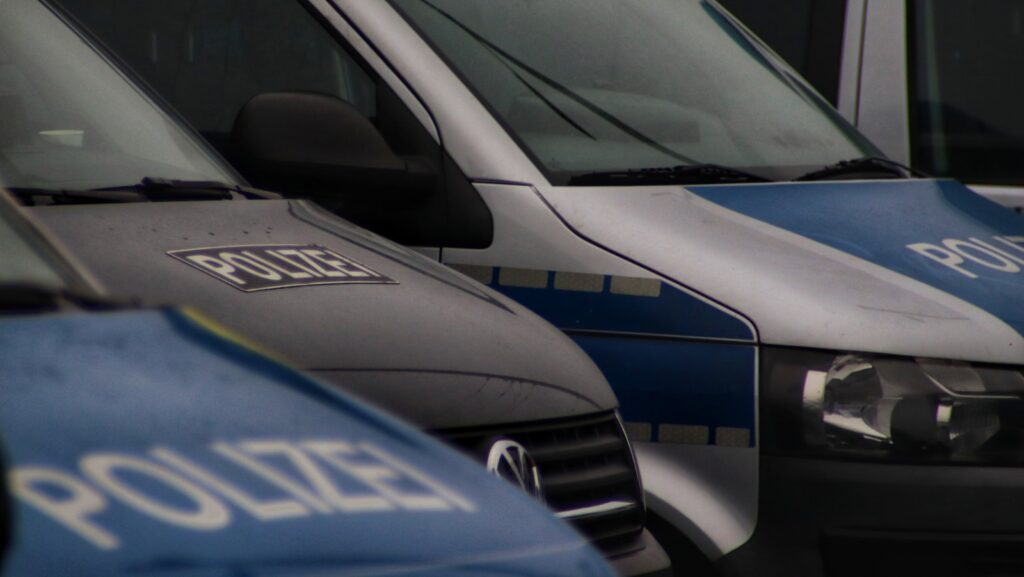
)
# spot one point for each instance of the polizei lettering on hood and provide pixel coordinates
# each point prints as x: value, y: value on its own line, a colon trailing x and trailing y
x: 272, y: 266
x: 972, y: 255
x: 305, y: 479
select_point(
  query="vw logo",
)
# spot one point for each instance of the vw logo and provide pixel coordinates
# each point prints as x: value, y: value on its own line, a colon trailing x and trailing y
x: 509, y: 460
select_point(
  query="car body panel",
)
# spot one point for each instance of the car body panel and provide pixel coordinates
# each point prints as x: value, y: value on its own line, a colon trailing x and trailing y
x: 506, y: 364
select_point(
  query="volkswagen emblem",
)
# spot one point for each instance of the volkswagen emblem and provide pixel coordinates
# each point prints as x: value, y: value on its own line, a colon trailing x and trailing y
x: 509, y: 460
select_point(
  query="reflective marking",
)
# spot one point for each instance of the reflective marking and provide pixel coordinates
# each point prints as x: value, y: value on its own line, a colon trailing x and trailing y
x: 684, y: 434
x: 638, y: 432
x: 208, y: 513
x: 421, y: 477
x: 732, y: 437
x: 638, y: 287
x: 253, y: 268
x: 72, y: 509
x: 689, y: 434
x: 580, y: 282
x: 596, y: 510
x: 380, y: 477
x: 316, y: 478
x: 481, y: 274
x: 262, y: 510
x: 521, y: 277
x: 275, y: 477
x: 188, y: 495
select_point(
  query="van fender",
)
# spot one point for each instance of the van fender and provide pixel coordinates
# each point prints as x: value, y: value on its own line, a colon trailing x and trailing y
x: 707, y: 493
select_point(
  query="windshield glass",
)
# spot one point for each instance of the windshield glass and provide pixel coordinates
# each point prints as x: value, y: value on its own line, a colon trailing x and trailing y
x: 609, y: 85
x: 26, y: 258
x: 68, y: 120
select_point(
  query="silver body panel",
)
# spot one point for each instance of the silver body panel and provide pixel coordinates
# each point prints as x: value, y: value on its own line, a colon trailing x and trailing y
x: 882, y: 106
x: 849, y: 72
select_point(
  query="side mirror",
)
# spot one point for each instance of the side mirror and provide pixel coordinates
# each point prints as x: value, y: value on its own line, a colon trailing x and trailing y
x: 290, y: 141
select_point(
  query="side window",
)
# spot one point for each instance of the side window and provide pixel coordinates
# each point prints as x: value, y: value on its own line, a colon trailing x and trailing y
x: 208, y: 58
x: 966, y: 90
x: 808, y: 34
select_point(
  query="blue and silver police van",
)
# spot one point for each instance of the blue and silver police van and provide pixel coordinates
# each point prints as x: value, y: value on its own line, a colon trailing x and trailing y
x: 143, y: 442
x: 819, y: 358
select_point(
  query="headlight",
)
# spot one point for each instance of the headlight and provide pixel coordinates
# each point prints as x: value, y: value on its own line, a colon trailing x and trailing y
x: 872, y: 406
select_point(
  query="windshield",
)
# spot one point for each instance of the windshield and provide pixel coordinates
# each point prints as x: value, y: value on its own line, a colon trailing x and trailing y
x: 26, y: 258
x: 609, y: 85
x: 68, y: 120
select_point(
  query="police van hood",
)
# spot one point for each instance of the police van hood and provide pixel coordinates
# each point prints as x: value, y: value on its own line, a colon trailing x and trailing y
x: 910, y: 267
x: 406, y: 332
x: 141, y: 443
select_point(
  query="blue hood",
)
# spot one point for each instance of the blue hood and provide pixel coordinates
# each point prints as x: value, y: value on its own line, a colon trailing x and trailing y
x: 139, y: 442
x: 937, y: 232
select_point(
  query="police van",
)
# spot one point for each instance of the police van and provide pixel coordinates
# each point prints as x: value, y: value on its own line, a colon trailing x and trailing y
x: 818, y: 358
x: 141, y: 441
x: 155, y: 213
x: 933, y: 84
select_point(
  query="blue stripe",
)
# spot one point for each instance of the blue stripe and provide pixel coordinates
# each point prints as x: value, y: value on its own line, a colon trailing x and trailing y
x: 672, y: 313
x: 657, y: 380
x: 678, y: 382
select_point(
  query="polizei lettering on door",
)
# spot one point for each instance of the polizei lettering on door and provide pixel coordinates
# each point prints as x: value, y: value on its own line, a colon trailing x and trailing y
x: 272, y: 266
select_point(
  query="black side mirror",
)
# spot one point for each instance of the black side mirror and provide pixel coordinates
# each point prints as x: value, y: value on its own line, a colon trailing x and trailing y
x: 318, y: 144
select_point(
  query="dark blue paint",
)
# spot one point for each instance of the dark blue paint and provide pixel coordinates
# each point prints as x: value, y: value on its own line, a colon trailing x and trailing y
x: 876, y: 221
x: 77, y: 384
x: 678, y: 382
x: 658, y: 380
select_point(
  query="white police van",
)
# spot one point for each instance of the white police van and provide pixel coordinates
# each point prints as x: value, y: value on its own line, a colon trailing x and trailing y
x: 141, y: 441
x: 819, y: 358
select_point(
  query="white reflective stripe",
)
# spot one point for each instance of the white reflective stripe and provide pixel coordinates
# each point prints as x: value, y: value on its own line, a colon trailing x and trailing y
x: 639, y: 432
x: 684, y: 434
x: 564, y: 280
x: 522, y: 277
x: 596, y: 510
x: 671, y: 433
x: 579, y: 282
x: 481, y: 274
x: 638, y: 287
x: 732, y: 437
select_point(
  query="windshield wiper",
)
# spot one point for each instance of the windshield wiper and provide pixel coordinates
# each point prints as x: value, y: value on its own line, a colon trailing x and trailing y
x: 157, y: 189
x: 686, y: 174
x: 31, y: 196
x: 149, y: 189
x: 33, y: 297
x: 868, y: 166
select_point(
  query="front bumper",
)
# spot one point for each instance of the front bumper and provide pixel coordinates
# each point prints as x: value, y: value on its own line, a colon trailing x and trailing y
x: 649, y: 561
x: 839, y: 519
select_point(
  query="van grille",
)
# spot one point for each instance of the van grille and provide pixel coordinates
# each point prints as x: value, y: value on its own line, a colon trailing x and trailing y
x: 587, y: 472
